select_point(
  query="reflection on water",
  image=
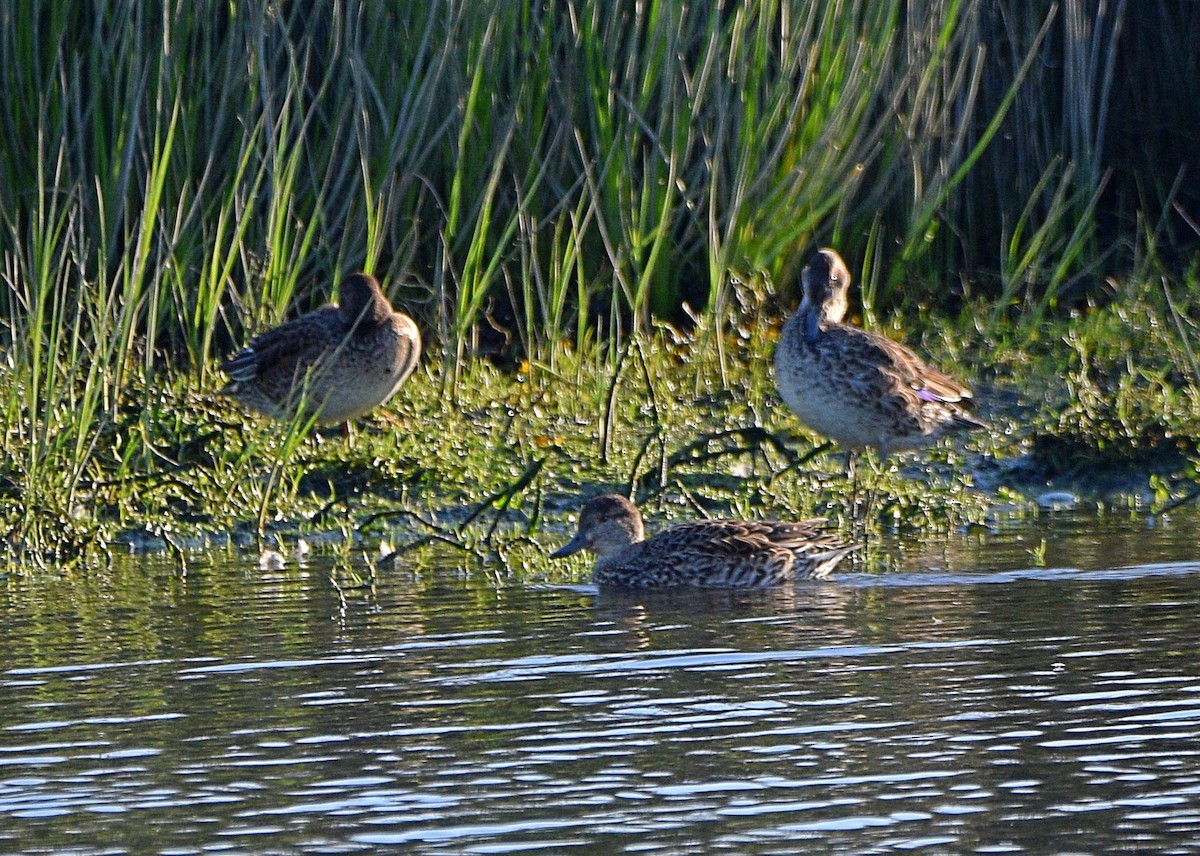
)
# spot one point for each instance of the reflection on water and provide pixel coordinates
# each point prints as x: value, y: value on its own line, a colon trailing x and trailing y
x: 963, y: 703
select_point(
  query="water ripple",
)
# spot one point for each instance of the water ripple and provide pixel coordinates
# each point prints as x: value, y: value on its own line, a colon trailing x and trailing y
x: 950, y: 712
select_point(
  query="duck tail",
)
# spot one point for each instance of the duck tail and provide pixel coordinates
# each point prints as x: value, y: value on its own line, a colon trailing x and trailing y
x: 966, y: 421
x: 242, y: 366
x: 824, y: 562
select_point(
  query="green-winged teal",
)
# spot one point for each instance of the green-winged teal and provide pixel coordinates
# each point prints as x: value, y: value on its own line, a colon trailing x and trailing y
x: 341, y: 360
x: 704, y: 554
x: 858, y: 388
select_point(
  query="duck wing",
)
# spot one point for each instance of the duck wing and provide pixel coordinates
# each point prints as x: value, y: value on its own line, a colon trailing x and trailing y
x: 740, y: 553
x: 287, y: 351
x: 913, y: 373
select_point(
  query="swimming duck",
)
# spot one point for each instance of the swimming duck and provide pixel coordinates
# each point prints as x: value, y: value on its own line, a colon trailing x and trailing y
x: 857, y: 388
x: 707, y: 553
x: 341, y: 360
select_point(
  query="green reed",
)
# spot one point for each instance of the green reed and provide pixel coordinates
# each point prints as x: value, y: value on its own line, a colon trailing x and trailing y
x: 659, y: 148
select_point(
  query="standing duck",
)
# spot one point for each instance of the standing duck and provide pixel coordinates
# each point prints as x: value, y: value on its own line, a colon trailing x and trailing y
x: 858, y: 388
x: 338, y: 362
x: 704, y: 554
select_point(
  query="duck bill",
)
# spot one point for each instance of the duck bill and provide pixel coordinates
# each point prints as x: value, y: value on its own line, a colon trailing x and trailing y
x: 573, y: 546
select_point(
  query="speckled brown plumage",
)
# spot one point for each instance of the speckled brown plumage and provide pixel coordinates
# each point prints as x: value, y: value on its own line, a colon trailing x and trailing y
x: 340, y: 360
x: 858, y: 388
x: 704, y: 554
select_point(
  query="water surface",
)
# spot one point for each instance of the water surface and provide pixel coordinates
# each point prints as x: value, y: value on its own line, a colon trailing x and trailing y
x: 965, y: 701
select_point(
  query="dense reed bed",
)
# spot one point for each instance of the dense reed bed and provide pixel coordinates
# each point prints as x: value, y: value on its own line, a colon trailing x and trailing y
x: 541, y: 183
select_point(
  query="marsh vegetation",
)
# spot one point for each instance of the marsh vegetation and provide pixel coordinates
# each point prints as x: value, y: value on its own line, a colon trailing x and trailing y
x: 596, y: 213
